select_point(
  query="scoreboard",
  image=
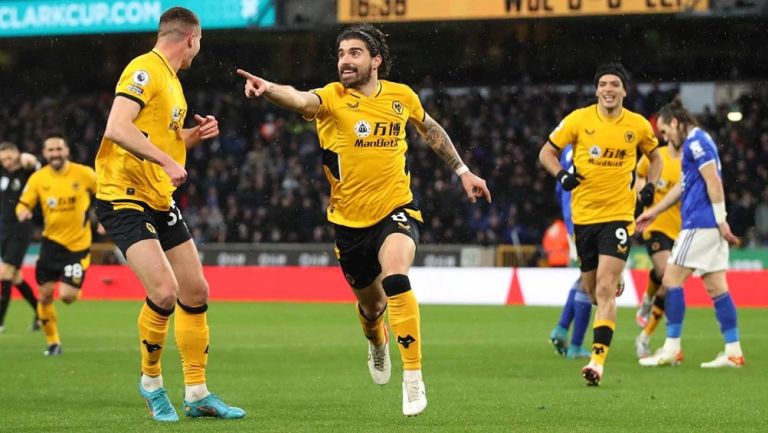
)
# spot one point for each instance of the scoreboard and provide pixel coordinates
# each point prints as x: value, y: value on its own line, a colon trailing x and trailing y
x: 439, y: 10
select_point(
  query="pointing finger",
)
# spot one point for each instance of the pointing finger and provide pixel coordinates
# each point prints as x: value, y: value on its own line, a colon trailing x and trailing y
x: 245, y: 74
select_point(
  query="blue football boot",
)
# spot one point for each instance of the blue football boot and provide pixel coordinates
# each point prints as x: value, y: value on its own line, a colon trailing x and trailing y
x: 159, y: 404
x: 559, y: 338
x: 214, y: 407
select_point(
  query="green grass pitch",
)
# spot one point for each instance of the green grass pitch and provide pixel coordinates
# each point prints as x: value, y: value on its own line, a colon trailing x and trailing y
x: 302, y: 368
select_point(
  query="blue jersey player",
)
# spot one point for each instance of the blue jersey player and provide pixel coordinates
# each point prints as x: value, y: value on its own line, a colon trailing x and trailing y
x: 578, y: 306
x: 703, y: 242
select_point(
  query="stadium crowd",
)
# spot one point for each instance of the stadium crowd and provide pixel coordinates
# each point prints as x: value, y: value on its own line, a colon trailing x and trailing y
x: 262, y: 180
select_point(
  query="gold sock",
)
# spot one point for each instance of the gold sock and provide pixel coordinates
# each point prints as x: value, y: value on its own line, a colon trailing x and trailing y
x: 373, y: 329
x: 153, y: 327
x: 656, y: 315
x: 405, y: 322
x: 49, y: 318
x: 603, y: 333
x: 192, y: 337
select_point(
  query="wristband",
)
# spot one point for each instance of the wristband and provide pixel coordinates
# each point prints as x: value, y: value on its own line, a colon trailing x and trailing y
x: 719, y: 211
x: 461, y: 170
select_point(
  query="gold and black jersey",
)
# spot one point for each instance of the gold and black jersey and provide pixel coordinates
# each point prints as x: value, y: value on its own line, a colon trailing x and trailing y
x: 64, y: 197
x: 151, y: 82
x: 364, y: 150
x: 670, y: 221
x: 605, y: 152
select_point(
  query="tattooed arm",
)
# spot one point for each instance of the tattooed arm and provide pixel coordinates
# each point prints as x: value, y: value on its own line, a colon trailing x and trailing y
x: 441, y: 143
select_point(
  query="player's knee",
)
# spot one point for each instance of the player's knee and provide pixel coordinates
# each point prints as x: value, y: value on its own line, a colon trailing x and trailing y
x: 164, y: 299
x: 668, y: 281
x: 45, y: 298
x: 606, y: 289
x: 195, y: 294
x: 715, y: 290
x: 68, y: 298
x: 9, y: 273
x: 373, y: 310
x: 396, y: 284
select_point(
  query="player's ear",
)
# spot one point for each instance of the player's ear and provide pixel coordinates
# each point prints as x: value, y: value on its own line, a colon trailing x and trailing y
x: 377, y: 61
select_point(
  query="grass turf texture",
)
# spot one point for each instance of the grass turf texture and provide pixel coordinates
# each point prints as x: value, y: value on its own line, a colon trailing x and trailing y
x: 302, y: 368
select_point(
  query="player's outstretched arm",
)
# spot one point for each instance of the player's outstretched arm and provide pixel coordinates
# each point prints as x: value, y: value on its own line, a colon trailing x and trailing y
x: 441, y: 143
x: 121, y: 130
x: 306, y: 103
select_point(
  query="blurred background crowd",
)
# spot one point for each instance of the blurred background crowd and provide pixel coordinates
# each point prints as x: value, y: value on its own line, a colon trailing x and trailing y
x: 262, y: 179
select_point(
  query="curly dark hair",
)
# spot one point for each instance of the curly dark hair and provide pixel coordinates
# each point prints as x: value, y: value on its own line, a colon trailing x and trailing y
x: 374, y: 40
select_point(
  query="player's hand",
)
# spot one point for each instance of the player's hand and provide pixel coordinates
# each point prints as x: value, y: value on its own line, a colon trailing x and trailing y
x: 254, y: 86
x: 725, y: 232
x: 100, y: 229
x: 208, y: 126
x: 475, y: 187
x: 646, y: 194
x: 24, y: 214
x: 569, y: 180
x: 176, y: 172
x: 644, y: 220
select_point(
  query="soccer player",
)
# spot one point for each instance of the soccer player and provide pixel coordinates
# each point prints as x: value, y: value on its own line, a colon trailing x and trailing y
x: 139, y: 164
x: 15, y: 235
x: 361, y: 125
x: 702, y: 244
x: 63, y: 190
x: 578, y: 306
x: 606, y: 138
x: 658, y: 238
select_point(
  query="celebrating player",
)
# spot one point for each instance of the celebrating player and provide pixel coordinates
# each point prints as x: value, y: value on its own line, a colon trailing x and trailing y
x: 605, y: 138
x: 361, y: 124
x: 139, y: 165
x: 63, y: 190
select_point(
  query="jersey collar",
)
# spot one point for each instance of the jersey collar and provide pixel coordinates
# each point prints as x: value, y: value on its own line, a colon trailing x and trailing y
x: 356, y: 94
x: 613, y: 120
x: 64, y: 170
x: 165, y: 61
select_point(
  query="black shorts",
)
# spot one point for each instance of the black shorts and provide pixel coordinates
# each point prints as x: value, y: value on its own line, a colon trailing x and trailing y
x: 14, y: 241
x: 592, y: 240
x: 358, y: 248
x: 128, y: 222
x: 658, y: 242
x: 57, y: 263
